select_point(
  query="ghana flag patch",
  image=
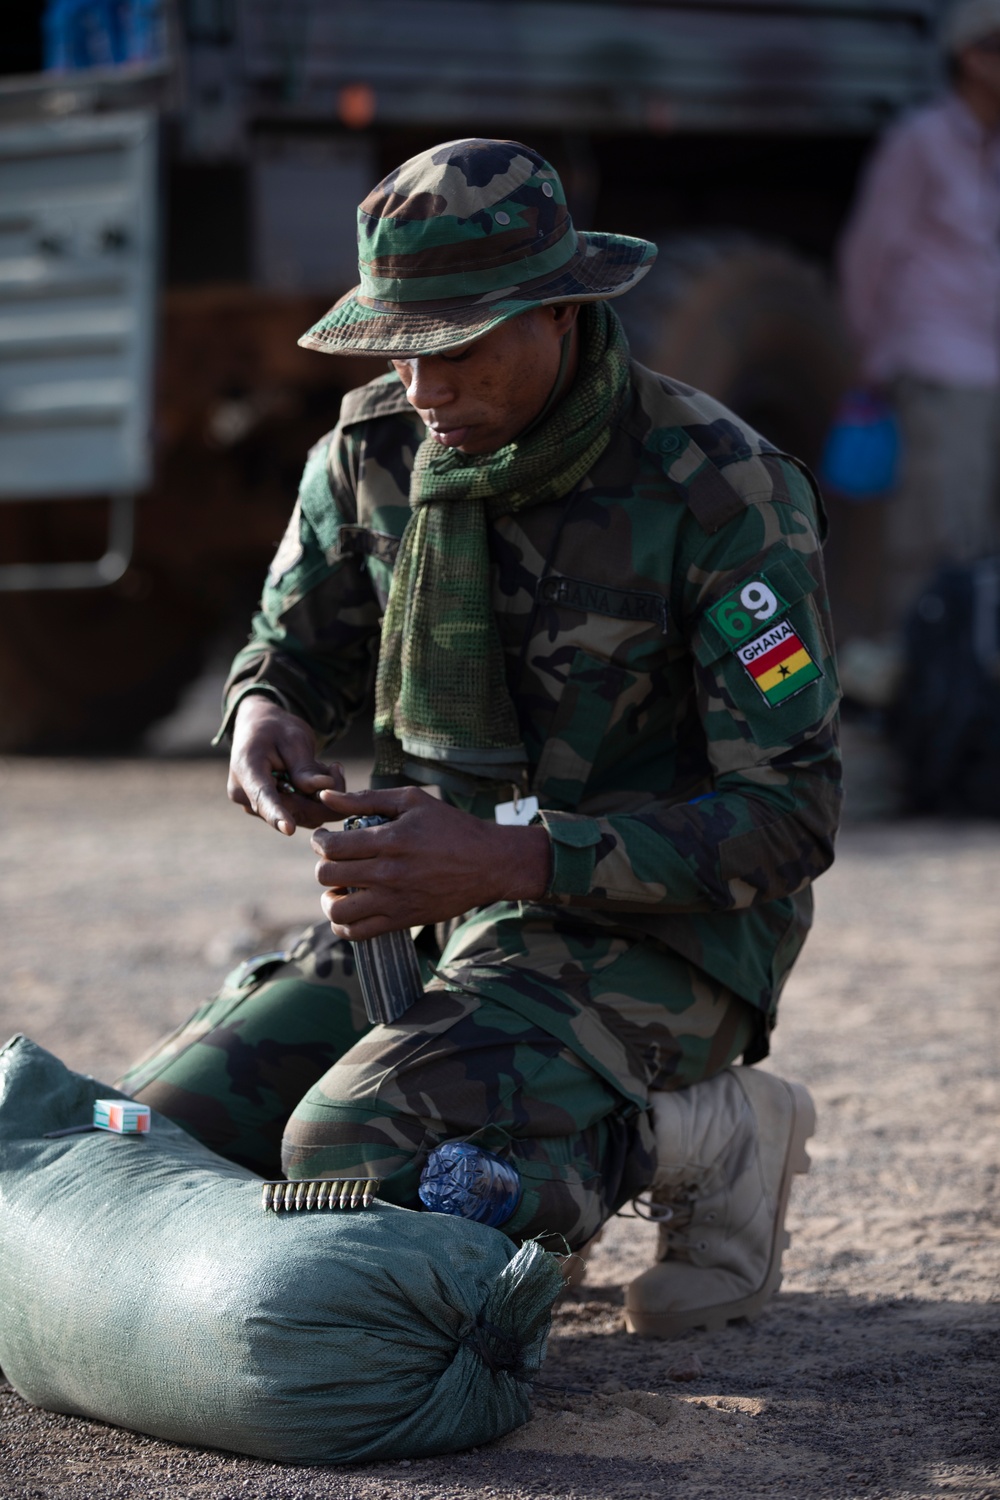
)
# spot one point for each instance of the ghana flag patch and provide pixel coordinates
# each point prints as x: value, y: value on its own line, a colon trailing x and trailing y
x: 779, y: 663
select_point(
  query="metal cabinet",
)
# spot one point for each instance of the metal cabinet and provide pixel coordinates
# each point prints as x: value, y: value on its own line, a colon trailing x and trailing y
x: 78, y: 247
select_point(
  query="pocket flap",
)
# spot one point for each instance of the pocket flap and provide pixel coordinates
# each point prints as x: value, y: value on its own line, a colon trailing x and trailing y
x: 752, y: 604
x: 578, y: 833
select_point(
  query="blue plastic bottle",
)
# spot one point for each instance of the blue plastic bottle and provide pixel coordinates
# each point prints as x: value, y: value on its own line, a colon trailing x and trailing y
x: 467, y: 1180
x: 84, y: 34
x: 145, y: 34
x: 102, y: 33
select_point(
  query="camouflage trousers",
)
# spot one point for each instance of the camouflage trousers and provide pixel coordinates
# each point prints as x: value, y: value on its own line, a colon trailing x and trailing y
x: 282, y: 1070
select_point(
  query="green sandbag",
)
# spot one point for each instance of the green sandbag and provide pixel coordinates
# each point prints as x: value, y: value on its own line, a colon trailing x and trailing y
x: 142, y: 1283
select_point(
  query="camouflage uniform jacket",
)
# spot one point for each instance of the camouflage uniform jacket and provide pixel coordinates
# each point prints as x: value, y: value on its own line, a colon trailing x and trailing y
x: 669, y: 652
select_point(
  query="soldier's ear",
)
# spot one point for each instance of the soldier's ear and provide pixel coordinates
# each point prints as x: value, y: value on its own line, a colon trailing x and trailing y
x: 565, y: 315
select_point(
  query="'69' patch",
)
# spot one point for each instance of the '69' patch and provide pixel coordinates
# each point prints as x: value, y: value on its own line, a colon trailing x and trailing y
x: 746, y: 609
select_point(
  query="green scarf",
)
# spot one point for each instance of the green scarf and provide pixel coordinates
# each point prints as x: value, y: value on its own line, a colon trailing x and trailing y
x: 441, y: 696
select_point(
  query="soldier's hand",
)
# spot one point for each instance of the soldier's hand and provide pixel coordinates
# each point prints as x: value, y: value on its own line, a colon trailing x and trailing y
x: 274, y: 748
x: 430, y: 863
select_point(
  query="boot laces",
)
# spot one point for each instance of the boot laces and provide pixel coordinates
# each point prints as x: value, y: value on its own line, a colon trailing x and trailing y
x: 673, y: 1216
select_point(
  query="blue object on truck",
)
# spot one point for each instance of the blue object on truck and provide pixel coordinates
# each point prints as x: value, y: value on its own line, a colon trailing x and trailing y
x: 102, y: 33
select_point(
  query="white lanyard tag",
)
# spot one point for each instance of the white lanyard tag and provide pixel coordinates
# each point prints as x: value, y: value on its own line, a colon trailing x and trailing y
x: 519, y: 812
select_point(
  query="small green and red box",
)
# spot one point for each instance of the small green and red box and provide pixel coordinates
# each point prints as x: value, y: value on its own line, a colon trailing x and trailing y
x: 123, y: 1116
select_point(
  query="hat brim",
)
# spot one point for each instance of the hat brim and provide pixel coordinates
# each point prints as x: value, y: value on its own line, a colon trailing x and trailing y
x: 607, y: 265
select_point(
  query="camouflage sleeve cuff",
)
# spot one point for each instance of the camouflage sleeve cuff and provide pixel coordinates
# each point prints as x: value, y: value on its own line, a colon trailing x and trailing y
x: 234, y: 699
x: 574, y: 845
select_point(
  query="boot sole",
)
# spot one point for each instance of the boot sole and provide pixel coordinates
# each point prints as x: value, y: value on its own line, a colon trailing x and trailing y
x: 672, y: 1325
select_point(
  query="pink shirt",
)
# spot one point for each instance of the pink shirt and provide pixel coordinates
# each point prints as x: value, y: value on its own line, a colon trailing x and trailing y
x: 920, y: 257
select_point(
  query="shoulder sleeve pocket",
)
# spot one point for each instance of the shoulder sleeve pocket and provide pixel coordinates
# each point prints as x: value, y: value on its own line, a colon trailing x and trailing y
x: 763, y: 655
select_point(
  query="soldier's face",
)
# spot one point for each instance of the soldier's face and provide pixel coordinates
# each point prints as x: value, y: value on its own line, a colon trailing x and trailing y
x: 481, y: 395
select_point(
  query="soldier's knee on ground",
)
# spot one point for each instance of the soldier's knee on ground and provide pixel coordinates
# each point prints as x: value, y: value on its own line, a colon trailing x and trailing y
x: 562, y: 1199
x: 564, y: 1195
x: 468, y: 1068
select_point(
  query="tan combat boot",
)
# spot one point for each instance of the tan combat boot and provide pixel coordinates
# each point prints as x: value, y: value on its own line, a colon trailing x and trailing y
x: 726, y: 1151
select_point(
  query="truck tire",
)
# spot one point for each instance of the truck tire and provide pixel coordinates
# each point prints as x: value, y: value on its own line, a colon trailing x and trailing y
x: 751, y: 324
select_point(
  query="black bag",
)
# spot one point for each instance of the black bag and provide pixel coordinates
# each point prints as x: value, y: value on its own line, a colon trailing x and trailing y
x: 946, y: 724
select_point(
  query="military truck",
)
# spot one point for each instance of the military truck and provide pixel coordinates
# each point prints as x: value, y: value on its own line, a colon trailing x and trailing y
x: 168, y: 229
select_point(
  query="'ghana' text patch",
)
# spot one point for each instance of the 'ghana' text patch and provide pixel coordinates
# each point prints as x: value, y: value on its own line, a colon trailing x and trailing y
x: 779, y: 663
x: 597, y: 599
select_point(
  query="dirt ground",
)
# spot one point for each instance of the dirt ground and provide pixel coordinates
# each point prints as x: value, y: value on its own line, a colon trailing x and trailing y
x: 126, y: 890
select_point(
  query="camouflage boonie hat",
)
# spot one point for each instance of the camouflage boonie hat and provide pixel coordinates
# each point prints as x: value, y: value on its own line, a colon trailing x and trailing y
x: 461, y: 238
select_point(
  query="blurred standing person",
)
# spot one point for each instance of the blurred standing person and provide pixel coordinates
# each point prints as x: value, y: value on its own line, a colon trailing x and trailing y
x: 920, y: 274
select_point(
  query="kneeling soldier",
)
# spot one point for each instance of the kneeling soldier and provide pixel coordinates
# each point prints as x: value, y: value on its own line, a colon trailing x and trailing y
x: 595, y: 600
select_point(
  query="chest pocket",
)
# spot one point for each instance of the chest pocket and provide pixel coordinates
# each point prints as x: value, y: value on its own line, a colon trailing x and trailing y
x: 593, y: 693
x: 764, y: 648
x: 613, y: 640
